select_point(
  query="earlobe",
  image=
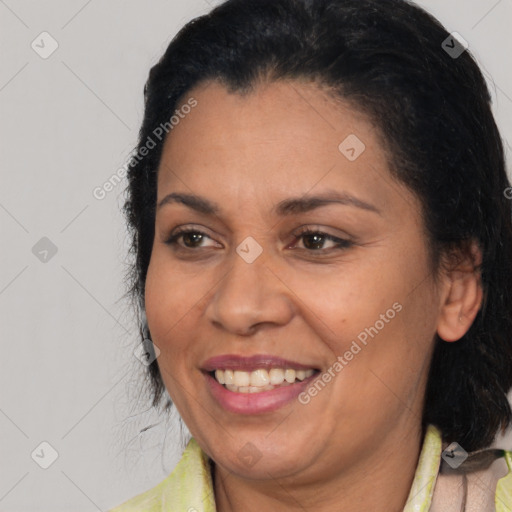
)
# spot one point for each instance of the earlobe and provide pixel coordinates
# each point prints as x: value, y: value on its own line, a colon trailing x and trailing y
x: 462, y: 297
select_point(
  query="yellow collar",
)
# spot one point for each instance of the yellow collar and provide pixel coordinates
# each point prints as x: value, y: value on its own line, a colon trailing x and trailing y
x: 422, y: 489
x: 189, y: 488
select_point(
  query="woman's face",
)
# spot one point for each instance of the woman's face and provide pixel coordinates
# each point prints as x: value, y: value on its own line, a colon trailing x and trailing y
x: 360, y: 309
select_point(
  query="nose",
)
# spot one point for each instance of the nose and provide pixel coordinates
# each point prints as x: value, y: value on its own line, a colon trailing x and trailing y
x: 249, y: 295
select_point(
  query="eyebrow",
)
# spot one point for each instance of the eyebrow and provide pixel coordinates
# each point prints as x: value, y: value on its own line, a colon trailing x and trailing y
x: 285, y: 207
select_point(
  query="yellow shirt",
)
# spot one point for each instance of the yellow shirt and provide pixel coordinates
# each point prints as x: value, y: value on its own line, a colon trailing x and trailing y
x: 189, y: 488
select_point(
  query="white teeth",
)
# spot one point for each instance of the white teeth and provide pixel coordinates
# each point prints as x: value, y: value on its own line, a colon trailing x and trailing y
x: 219, y: 375
x: 260, y: 380
x: 276, y: 376
x: 228, y: 376
x: 242, y: 379
x: 289, y: 376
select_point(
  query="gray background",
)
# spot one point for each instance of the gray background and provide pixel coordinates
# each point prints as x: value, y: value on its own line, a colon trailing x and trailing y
x: 68, y: 375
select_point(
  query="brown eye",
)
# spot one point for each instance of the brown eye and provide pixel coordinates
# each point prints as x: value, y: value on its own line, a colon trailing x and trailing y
x: 314, y: 240
x: 191, y: 238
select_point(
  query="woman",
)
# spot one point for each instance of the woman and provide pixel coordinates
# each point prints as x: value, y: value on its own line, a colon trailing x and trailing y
x: 323, y: 254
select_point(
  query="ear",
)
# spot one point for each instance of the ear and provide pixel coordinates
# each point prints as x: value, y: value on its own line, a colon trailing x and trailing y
x: 461, y: 295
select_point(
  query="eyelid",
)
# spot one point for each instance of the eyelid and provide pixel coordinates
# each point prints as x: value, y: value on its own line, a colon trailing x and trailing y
x: 342, y: 242
x: 305, y: 228
x: 179, y: 230
x: 314, y: 228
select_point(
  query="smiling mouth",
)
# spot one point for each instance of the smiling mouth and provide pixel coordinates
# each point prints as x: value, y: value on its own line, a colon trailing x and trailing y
x: 260, y: 380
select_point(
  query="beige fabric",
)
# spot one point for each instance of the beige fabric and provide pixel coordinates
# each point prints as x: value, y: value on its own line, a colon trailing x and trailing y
x: 449, y: 491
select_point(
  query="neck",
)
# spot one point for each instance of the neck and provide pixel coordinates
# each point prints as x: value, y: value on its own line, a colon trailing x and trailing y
x: 380, y: 481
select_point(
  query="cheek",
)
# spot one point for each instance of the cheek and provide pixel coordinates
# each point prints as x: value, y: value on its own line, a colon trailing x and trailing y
x: 339, y: 302
x: 169, y: 307
x: 155, y: 299
x: 380, y: 319
x: 171, y: 294
x: 167, y: 303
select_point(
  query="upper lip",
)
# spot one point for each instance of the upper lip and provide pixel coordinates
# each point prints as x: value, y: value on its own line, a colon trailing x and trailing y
x: 251, y: 363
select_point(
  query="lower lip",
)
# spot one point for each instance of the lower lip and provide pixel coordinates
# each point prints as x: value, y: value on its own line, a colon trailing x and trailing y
x: 255, y: 403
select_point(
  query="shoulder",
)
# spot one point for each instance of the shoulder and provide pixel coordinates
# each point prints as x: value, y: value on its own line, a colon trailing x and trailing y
x: 491, y: 488
x: 475, y: 490
x: 504, y: 487
x: 188, y: 487
x: 148, y: 501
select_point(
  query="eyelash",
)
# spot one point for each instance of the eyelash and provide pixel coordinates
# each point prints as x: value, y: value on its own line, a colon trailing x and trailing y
x: 342, y: 244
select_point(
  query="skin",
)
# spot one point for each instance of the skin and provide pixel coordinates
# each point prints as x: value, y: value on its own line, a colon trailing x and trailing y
x: 356, y: 444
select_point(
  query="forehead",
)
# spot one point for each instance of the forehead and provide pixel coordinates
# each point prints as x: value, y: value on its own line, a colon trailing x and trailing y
x: 281, y: 139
